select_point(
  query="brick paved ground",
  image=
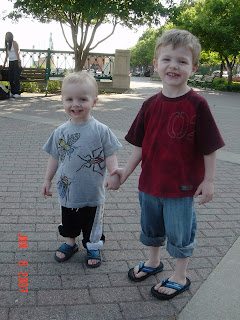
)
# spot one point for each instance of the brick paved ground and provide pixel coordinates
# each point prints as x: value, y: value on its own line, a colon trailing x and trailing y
x: 71, y: 291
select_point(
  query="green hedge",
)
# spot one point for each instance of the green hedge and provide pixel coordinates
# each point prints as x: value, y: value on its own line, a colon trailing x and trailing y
x: 53, y: 86
x: 222, y: 85
x: 30, y: 87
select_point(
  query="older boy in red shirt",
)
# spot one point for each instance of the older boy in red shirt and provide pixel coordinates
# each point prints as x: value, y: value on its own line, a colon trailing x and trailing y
x: 176, y: 138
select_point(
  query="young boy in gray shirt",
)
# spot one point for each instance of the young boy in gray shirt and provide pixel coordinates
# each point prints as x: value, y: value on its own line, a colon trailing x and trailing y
x: 80, y: 151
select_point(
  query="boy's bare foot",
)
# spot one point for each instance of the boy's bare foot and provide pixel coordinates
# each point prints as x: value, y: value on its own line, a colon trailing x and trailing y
x: 65, y: 252
x: 93, y: 262
x: 93, y: 258
x: 60, y: 255
x: 169, y: 291
x: 146, y: 264
x: 90, y: 262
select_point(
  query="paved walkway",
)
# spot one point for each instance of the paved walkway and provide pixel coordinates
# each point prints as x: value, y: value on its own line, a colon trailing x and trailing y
x: 71, y: 291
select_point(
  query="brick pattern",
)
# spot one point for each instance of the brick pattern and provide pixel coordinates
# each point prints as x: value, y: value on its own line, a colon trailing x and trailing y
x: 71, y: 291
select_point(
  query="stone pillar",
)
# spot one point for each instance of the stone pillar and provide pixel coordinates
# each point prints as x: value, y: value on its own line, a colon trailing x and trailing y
x: 121, y: 78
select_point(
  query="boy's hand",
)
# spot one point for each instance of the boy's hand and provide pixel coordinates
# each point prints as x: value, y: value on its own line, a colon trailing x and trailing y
x: 121, y: 173
x: 46, y: 189
x: 113, y: 182
x: 207, y: 190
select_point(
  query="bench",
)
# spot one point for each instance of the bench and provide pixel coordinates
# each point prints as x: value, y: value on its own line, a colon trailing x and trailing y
x: 197, y: 77
x: 38, y: 75
x: 99, y: 77
x: 205, y: 82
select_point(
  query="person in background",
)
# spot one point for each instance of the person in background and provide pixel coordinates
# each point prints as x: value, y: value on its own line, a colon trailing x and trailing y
x: 12, y: 53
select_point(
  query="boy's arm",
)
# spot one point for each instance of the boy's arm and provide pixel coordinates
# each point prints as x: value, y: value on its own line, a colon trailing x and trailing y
x: 207, y: 187
x: 113, y: 181
x: 132, y: 163
x: 51, y: 170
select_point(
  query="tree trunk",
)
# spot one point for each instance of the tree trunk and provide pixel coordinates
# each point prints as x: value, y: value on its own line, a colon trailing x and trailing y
x: 80, y: 59
x: 230, y: 66
x: 221, y: 69
x: 229, y: 69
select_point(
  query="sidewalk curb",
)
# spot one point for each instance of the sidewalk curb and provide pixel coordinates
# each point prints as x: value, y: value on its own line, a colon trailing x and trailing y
x: 218, y: 297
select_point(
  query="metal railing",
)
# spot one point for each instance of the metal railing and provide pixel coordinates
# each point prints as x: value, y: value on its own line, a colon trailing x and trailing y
x: 58, y: 63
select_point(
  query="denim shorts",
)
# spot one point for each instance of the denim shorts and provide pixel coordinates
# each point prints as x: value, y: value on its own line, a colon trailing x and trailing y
x: 171, y: 218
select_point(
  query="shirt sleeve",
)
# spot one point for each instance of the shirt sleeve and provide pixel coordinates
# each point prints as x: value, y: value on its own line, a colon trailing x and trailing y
x: 207, y: 134
x: 51, y: 146
x: 135, y: 134
x: 110, y: 142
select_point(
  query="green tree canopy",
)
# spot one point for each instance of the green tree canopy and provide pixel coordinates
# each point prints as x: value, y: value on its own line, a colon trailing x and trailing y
x: 209, y: 58
x: 84, y: 17
x: 142, y: 53
x: 215, y: 23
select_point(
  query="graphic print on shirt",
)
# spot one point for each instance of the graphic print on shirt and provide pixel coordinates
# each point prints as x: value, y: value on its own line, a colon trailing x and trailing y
x: 67, y: 147
x: 63, y: 187
x: 180, y: 125
x: 94, y: 161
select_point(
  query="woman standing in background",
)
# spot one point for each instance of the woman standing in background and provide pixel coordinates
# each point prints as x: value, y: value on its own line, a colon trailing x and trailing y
x: 12, y: 53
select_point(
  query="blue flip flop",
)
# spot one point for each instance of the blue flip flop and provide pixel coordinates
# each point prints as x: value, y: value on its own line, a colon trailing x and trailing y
x: 67, y: 250
x: 93, y: 254
x: 173, y: 285
x: 149, y: 270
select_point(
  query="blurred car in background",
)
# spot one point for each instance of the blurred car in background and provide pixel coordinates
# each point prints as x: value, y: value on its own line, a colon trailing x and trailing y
x: 236, y: 77
x: 216, y: 74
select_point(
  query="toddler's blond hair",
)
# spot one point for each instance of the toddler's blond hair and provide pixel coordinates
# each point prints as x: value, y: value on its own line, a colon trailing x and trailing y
x: 81, y: 76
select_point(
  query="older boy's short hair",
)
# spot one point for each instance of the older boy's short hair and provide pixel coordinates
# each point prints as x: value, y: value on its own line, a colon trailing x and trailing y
x: 179, y: 38
x: 81, y: 76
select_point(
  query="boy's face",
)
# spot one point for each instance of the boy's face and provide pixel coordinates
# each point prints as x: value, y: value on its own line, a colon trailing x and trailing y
x: 174, y: 66
x: 78, y: 100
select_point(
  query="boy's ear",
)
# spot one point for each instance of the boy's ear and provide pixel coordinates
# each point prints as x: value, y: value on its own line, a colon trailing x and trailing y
x: 195, y: 69
x: 94, y: 102
x: 155, y: 64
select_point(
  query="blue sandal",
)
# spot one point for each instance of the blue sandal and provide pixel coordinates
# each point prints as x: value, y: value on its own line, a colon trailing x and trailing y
x: 149, y: 270
x: 67, y: 250
x: 173, y: 285
x: 93, y: 254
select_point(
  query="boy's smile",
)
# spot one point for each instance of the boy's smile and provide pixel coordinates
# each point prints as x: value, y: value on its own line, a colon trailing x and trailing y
x: 174, y: 66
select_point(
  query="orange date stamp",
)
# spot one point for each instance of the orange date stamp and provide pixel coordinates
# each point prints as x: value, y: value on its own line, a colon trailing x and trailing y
x: 23, y: 277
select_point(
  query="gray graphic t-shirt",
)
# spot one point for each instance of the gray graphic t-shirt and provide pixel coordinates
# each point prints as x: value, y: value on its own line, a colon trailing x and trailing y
x: 81, y: 150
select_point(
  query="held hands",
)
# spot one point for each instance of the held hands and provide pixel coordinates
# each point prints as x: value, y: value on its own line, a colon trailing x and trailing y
x: 113, y: 182
x: 116, y: 178
x: 46, y: 188
x: 122, y: 174
x: 207, y: 190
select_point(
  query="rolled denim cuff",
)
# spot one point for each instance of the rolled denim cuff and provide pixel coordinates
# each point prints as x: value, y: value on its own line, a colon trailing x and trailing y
x: 152, y: 242
x: 183, y: 252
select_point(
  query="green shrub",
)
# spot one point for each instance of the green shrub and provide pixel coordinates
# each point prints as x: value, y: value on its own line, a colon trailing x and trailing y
x: 30, y: 87
x: 222, y: 85
x: 235, y: 86
x: 219, y: 83
x: 5, y: 83
x: 54, y: 86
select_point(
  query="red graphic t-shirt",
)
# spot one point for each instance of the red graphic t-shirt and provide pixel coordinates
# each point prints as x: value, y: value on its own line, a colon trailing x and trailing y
x: 174, y: 134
